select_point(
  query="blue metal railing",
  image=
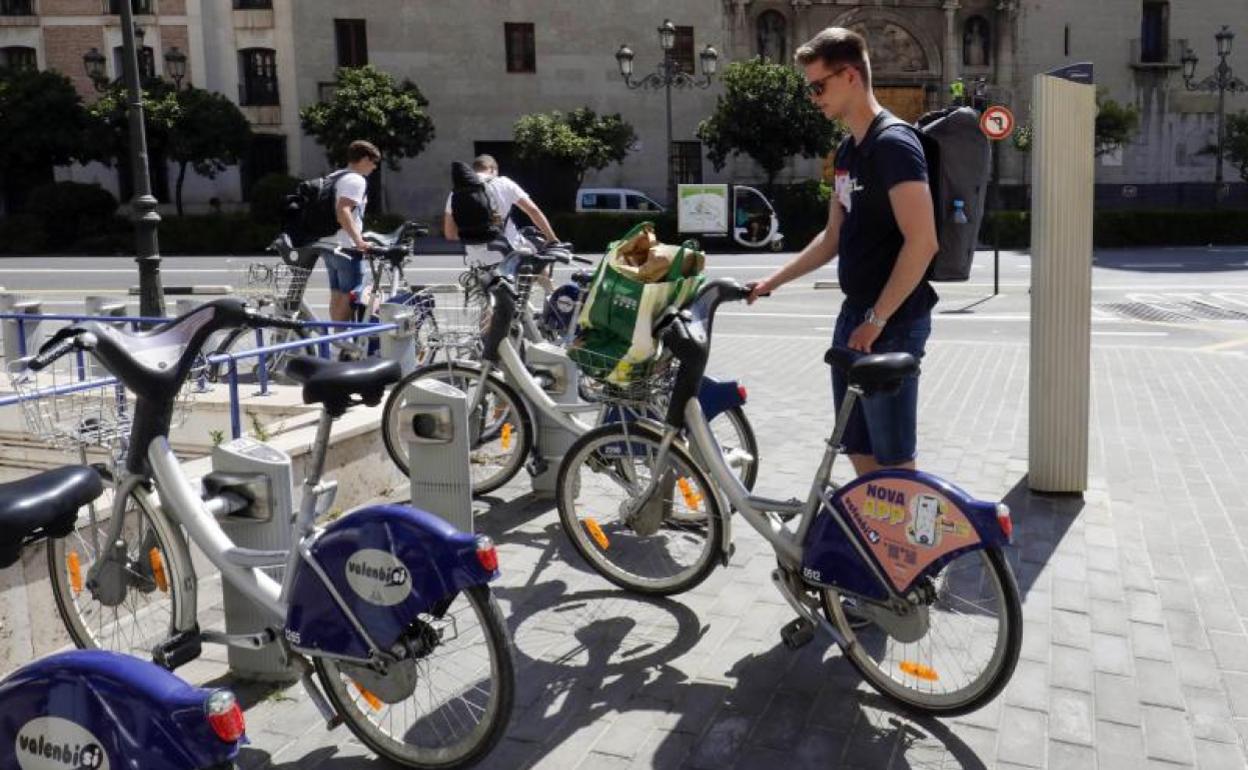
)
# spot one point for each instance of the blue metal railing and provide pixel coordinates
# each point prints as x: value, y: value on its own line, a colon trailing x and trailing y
x: 321, y: 342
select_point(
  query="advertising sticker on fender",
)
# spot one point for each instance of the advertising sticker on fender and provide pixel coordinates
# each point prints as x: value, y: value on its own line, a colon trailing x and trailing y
x: 997, y: 123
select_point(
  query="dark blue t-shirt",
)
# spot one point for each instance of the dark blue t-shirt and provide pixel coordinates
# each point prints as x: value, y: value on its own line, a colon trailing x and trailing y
x: 870, y: 238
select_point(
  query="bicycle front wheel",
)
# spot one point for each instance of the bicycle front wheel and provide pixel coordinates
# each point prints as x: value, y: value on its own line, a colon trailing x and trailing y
x: 962, y: 643
x: 500, y: 428
x: 735, y: 437
x: 662, y: 544
x: 457, y: 692
x: 122, y: 596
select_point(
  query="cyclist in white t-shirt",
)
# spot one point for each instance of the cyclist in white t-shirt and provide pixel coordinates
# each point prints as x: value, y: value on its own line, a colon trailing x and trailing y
x: 504, y: 193
x: 346, y: 275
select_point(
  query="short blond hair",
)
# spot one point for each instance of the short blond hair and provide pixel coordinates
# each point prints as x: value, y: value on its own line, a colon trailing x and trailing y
x: 837, y: 46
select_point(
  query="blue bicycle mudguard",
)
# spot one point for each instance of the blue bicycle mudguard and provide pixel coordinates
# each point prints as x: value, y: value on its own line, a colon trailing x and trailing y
x: 388, y: 563
x: 716, y: 397
x: 909, y: 523
x: 105, y: 711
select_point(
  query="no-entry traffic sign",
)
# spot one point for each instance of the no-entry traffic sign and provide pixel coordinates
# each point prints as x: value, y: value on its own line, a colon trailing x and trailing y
x: 997, y: 123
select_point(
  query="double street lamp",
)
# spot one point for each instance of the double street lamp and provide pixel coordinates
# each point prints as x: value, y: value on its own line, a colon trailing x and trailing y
x: 668, y: 75
x: 1221, y: 81
x: 146, y: 220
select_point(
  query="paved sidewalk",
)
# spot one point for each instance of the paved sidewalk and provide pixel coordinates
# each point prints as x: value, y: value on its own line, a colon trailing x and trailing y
x: 1135, y: 597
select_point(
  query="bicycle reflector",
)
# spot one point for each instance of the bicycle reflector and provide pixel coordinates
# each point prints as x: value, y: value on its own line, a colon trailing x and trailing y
x: 742, y: 393
x: 487, y: 555
x: 1005, y: 522
x: 224, y: 715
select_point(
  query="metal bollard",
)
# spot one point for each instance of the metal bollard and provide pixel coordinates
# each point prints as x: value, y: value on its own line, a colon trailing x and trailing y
x: 267, y: 478
x: 434, y: 423
x: 400, y: 344
x: 97, y: 306
x: 21, y: 337
x: 551, y: 361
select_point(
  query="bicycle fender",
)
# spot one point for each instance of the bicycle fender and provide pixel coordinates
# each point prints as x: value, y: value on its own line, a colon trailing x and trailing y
x: 105, y: 711
x: 717, y: 397
x: 908, y: 523
x: 385, y: 565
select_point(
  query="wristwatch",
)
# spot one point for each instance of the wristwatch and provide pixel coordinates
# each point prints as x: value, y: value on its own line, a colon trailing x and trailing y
x: 874, y: 319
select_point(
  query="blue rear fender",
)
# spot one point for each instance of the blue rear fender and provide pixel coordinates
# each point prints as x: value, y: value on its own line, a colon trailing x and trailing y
x: 909, y: 523
x: 718, y: 396
x: 389, y: 564
x: 78, y: 704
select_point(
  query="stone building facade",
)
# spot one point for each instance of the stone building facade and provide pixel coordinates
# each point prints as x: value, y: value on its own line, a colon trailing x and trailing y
x: 482, y: 65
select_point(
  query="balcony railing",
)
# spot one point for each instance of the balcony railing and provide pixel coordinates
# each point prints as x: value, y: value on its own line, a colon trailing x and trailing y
x: 1164, y: 54
x: 253, y: 5
x: 17, y: 7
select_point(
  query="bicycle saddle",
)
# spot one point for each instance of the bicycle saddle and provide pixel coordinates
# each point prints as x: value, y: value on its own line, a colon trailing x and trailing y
x: 583, y: 278
x: 333, y: 384
x: 873, y: 372
x: 43, y: 505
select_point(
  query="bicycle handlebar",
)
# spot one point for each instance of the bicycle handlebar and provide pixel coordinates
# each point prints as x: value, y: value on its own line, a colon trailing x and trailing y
x: 47, y: 355
x: 258, y: 321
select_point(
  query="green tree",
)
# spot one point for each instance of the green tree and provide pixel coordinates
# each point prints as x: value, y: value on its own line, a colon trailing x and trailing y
x: 111, y: 115
x: 368, y: 104
x: 44, y: 124
x: 1116, y: 126
x: 1236, y: 142
x: 574, y: 142
x: 209, y: 132
x: 764, y: 113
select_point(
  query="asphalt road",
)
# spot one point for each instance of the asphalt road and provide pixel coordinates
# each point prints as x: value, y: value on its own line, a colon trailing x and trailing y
x: 1180, y: 297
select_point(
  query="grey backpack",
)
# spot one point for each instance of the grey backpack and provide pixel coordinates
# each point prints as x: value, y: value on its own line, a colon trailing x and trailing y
x: 959, y: 163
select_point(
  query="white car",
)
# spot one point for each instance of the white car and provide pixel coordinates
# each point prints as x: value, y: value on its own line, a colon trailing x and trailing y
x: 615, y: 200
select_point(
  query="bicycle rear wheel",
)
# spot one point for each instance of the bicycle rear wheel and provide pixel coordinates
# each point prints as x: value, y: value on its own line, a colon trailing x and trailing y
x: 457, y: 695
x: 967, y: 650
x: 241, y: 341
x: 123, y: 597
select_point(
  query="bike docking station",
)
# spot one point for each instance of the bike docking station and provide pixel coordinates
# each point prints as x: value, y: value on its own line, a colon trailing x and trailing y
x: 103, y: 307
x: 1063, y: 173
x: 434, y: 425
x: 400, y: 343
x: 559, y: 378
x: 264, y: 476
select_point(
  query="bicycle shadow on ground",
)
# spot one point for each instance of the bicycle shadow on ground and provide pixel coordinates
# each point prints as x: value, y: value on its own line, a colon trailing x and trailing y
x: 1041, y: 521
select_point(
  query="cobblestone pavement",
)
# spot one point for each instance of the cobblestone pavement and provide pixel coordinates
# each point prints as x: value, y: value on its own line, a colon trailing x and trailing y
x: 1135, y: 597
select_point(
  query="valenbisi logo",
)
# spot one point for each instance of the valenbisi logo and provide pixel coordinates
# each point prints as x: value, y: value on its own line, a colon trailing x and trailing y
x: 53, y: 743
x: 378, y: 577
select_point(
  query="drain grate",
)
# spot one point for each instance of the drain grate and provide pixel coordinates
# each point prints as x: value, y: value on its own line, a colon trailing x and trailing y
x: 1174, y: 312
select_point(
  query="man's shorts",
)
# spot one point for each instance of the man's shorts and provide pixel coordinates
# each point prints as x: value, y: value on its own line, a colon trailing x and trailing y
x: 883, y: 425
x: 346, y: 275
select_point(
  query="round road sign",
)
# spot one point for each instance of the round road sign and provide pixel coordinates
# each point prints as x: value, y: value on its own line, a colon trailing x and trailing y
x: 997, y: 123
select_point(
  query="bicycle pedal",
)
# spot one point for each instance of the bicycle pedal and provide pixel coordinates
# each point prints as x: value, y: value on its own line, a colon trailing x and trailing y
x: 178, y: 650
x: 797, y: 633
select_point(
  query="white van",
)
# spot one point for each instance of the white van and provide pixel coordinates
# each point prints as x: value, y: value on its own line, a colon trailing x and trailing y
x: 615, y: 200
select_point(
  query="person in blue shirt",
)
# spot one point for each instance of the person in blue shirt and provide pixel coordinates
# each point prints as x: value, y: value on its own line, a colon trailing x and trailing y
x: 882, y: 225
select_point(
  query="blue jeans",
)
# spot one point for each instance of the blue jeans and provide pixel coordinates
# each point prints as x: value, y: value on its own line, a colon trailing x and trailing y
x: 346, y: 275
x: 883, y: 425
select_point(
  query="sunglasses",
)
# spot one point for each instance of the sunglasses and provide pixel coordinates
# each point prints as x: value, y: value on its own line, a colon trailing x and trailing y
x: 817, y: 87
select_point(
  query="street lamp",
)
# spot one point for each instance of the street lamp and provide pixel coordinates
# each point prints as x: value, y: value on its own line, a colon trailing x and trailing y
x: 1221, y: 81
x: 175, y: 66
x: 668, y: 75
x: 143, y: 205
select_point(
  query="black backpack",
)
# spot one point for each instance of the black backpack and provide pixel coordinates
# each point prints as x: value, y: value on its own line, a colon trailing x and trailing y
x: 471, y: 206
x: 959, y: 163
x: 309, y: 214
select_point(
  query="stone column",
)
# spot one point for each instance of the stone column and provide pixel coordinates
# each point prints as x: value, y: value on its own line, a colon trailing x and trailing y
x: 953, y: 45
x: 801, y: 23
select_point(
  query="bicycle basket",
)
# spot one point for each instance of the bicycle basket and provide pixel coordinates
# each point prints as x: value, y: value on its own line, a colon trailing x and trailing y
x: 611, y: 376
x: 268, y: 281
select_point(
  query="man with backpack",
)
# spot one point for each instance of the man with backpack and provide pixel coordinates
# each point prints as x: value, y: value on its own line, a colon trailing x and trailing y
x: 478, y: 210
x: 882, y: 225
x: 350, y: 197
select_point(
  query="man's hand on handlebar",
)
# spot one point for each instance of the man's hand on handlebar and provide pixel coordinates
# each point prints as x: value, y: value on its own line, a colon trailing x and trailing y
x: 757, y: 289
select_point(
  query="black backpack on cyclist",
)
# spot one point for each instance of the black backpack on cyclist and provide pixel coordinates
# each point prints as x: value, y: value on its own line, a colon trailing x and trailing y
x: 309, y: 212
x: 471, y: 206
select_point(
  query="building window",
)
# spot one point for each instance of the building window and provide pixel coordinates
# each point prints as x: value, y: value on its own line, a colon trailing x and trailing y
x: 138, y: 7
x: 147, y: 62
x: 352, y: 42
x: 253, y: 5
x: 687, y: 162
x: 682, y: 51
x: 773, y: 37
x: 18, y: 58
x: 1154, y: 32
x: 976, y: 42
x: 521, y: 47
x: 17, y: 7
x: 258, y: 67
